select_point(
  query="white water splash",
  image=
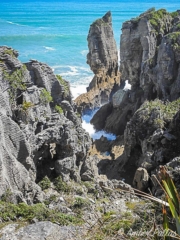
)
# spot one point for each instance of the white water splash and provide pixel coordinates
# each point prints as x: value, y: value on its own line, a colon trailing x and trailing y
x: 90, y: 129
x: 49, y: 48
x: 127, y: 86
x: 77, y: 90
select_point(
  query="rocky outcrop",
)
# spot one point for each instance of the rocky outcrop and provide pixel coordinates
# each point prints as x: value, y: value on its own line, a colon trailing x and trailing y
x: 149, y: 56
x: 103, y: 61
x: 151, y: 136
x: 141, y: 179
x: 39, y: 231
x: 149, y: 53
x: 41, y: 135
x: 113, y: 116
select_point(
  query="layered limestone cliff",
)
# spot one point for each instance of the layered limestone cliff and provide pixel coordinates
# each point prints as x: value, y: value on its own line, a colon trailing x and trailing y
x: 147, y: 114
x: 103, y: 61
x: 41, y: 135
x: 149, y: 53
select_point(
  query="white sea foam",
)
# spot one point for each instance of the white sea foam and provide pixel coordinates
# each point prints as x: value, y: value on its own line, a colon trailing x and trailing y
x: 12, y: 23
x: 119, y: 59
x: 17, y: 24
x: 80, y: 86
x: 81, y: 73
x: 49, y: 48
x: 78, y: 90
x: 127, y: 86
x: 96, y: 135
x: 90, y: 129
x: 78, y: 76
x: 84, y: 52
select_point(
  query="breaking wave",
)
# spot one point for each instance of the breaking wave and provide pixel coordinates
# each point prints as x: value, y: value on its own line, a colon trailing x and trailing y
x: 90, y: 129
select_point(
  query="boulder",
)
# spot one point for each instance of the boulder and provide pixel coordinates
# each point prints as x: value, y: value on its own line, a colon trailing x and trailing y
x: 38, y: 231
x: 141, y: 179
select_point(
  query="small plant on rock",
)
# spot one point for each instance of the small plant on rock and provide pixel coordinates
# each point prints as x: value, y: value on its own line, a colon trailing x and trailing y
x: 45, y: 183
x: 27, y: 105
x: 45, y: 97
x: 7, y: 196
x: 59, y: 109
x: 65, y: 84
x: 80, y: 202
x: 61, y: 186
x: 15, y: 79
x: 51, y: 199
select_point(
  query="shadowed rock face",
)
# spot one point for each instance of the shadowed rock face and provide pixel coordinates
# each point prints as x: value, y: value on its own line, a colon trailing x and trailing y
x: 103, y: 61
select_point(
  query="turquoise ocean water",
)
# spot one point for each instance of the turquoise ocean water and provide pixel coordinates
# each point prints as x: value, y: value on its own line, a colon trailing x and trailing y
x: 55, y: 32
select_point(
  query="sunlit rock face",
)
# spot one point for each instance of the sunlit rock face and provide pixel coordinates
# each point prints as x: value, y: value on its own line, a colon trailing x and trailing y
x: 41, y: 134
x: 103, y: 61
x: 149, y: 59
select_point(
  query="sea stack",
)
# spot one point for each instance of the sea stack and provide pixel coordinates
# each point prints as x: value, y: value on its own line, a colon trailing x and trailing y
x: 103, y: 61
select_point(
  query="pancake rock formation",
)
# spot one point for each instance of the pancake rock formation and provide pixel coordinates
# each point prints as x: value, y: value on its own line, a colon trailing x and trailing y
x: 41, y: 134
x: 103, y: 61
x: 149, y: 53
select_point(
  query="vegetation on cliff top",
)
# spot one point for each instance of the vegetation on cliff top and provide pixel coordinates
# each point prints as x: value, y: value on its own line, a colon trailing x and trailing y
x: 65, y: 84
x: 23, y: 212
x: 153, y: 115
x: 157, y: 18
x: 15, y: 80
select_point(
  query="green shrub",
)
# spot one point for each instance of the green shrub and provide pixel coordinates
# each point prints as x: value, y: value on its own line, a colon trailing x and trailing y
x: 6, y: 197
x: 27, y: 105
x: 64, y: 84
x: 52, y: 198
x: 168, y: 109
x: 173, y: 199
x: 174, y: 39
x: 23, y: 212
x: 9, y: 52
x: 156, y: 19
x: 178, y: 27
x: 45, y: 183
x: 45, y: 97
x: 173, y: 203
x: 15, y: 80
x: 59, y: 109
x: 61, y: 186
x: 80, y: 202
x: 174, y: 14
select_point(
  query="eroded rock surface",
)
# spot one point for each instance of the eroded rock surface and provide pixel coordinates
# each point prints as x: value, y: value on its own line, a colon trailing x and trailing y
x: 41, y: 135
x: 39, y: 231
x: 149, y: 53
x: 103, y: 61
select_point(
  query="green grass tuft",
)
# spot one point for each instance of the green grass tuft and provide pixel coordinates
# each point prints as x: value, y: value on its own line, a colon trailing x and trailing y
x: 23, y: 212
x: 45, y: 183
x: 59, y: 109
x: 45, y: 97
